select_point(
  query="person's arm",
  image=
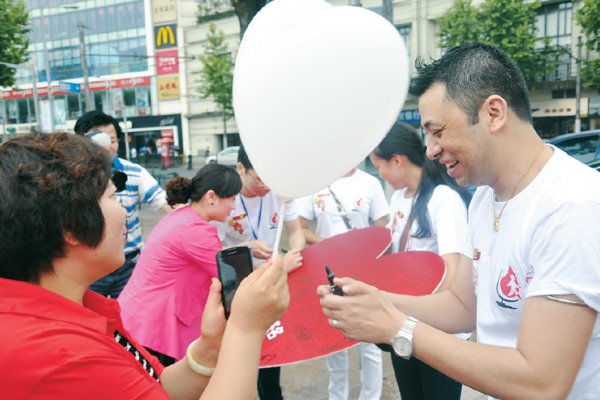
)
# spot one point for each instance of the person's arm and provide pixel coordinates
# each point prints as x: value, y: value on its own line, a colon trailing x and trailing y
x: 293, y: 259
x: 260, y: 300
x: 258, y: 248
x: 381, y: 221
x: 178, y: 380
x: 236, y: 352
x: 452, y: 310
x: 310, y: 236
x: 552, y: 340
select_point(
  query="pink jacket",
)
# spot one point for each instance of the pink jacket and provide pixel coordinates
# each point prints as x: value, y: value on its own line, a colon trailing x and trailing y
x: 163, y: 302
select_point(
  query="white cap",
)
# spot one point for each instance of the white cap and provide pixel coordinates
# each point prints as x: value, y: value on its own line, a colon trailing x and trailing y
x: 100, y: 138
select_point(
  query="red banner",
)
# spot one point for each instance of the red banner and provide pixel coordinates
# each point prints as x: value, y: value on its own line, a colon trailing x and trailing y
x: 303, y: 333
x: 94, y: 86
x: 167, y: 62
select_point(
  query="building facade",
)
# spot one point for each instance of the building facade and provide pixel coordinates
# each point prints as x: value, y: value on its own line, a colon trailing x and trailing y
x: 142, y: 59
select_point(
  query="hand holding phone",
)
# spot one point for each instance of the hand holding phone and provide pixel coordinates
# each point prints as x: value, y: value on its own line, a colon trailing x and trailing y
x: 234, y: 264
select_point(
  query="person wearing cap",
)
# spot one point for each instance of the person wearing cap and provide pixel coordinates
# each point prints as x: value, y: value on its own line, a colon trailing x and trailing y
x: 140, y: 188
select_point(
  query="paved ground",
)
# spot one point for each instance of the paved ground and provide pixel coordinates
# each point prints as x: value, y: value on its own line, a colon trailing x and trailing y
x: 309, y: 380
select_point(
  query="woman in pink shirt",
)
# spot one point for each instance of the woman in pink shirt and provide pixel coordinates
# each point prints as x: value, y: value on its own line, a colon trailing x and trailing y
x: 162, y: 303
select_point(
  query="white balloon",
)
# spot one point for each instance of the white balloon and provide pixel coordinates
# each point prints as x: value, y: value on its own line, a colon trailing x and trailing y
x: 315, y: 89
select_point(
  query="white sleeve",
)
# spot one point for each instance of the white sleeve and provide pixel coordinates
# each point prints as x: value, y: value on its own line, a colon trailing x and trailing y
x: 150, y: 191
x: 305, y: 207
x: 291, y: 211
x: 379, y: 206
x: 449, y: 220
x: 565, y: 254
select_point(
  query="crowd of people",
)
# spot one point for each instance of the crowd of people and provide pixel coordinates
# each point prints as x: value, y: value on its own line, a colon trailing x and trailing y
x: 90, y: 311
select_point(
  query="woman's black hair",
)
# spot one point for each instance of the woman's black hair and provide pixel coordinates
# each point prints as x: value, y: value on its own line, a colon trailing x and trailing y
x: 403, y: 140
x: 50, y: 185
x: 223, y: 180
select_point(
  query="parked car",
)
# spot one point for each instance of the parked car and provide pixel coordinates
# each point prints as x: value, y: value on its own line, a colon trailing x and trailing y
x: 228, y: 156
x: 595, y: 164
x: 584, y: 146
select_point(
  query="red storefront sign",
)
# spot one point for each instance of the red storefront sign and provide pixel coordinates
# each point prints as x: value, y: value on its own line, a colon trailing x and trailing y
x: 167, y: 62
x: 94, y: 86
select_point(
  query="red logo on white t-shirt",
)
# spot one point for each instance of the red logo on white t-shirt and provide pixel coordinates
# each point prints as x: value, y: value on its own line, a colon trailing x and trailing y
x: 508, y: 289
x: 274, y: 220
x: 236, y: 224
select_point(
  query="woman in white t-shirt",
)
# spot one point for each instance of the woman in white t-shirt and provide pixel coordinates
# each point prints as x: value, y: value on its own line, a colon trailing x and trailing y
x: 354, y: 201
x: 428, y: 212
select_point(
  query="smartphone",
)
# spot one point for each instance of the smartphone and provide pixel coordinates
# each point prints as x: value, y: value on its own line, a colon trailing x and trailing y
x: 234, y: 264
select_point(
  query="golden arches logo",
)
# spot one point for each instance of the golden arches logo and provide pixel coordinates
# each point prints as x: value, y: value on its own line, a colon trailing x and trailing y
x: 165, y: 36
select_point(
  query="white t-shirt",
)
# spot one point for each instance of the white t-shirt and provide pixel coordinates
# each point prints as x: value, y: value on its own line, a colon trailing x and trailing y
x: 361, y: 196
x: 244, y: 224
x: 447, y: 214
x: 548, y: 243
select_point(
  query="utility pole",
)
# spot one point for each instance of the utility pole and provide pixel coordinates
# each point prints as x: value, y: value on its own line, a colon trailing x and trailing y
x: 388, y: 10
x: 36, y: 98
x: 578, y: 87
x: 89, y: 100
x: 48, y: 72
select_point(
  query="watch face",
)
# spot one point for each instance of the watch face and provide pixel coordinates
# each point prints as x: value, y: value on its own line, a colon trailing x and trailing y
x: 402, y: 347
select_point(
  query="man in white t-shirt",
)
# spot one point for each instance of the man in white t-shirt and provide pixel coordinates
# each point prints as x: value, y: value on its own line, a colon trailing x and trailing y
x: 351, y: 202
x: 254, y: 223
x: 529, y: 281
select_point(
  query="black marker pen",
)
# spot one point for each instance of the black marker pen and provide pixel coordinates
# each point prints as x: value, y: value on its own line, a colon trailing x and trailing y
x: 334, y: 289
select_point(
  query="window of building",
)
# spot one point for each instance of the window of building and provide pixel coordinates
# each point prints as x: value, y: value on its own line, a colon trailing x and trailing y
x: 554, y: 21
x: 404, y: 31
x: 563, y: 94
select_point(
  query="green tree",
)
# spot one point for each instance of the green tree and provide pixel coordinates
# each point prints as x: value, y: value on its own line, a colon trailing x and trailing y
x: 459, y: 25
x: 216, y: 75
x: 13, y: 36
x: 588, y: 18
x: 507, y: 24
x: 210, y: 10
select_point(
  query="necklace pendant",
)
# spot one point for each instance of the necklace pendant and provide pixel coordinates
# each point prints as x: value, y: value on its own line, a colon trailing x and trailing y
x: 496, y: 224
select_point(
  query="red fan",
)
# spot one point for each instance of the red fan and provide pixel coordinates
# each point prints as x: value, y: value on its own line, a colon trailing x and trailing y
x: 303, y: 332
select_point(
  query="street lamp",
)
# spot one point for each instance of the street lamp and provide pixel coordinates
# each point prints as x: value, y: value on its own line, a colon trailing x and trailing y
x: 36, y: 99
x: 577, y: 82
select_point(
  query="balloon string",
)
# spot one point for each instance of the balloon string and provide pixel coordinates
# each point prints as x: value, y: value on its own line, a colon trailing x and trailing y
x: 279, y: 230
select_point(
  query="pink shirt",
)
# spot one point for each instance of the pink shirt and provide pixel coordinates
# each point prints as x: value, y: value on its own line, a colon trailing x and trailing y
x: 163, y: 302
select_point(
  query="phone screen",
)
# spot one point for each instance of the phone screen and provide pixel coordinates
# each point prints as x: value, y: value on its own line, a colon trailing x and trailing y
x: 234, y: 265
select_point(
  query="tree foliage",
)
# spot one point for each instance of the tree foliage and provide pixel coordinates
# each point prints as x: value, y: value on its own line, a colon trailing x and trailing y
x: 13, y: 37
x: 459, y: 25
x: 588, y: 18
x: 507, y: 24
x: 210, y: 10
x: 216, y: 75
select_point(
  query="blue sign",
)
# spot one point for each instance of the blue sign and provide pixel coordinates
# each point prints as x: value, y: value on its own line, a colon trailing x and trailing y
x: 410, y: 116
x: 69, y: 87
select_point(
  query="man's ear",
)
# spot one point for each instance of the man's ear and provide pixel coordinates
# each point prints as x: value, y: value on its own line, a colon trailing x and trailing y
x: 495, y: 111
x: 240, y: 168
x: 70, y: 240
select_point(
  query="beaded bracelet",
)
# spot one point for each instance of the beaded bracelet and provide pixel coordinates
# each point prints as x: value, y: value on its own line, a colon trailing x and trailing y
x: 194, y: 365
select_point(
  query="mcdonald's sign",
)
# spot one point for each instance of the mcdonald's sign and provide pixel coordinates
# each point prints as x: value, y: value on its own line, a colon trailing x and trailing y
x: 165, y: 36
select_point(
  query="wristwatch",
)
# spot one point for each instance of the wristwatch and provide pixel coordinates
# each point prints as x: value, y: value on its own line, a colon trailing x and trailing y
x: 402, y: 343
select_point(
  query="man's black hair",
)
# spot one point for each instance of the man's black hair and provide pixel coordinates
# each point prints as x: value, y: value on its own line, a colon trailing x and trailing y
x: 243, y: 158
x: 94, y: 119
x: 472, y: 72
